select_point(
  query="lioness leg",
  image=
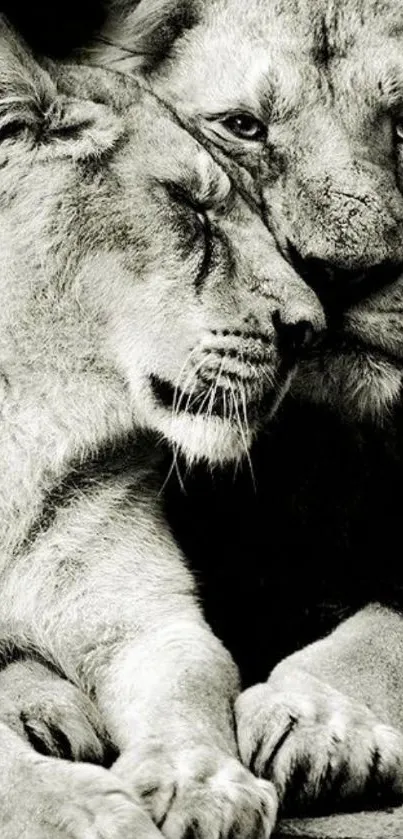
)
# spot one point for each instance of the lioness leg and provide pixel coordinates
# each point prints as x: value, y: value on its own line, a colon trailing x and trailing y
x: 46, y: 798
x: 167, y: 695
x: 162, y: 681
x: 327, y: 727
x: 56, y: 717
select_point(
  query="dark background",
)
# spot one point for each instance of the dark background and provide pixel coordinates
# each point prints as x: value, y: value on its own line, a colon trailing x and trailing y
x: 55, y: 27
x: 279, y: 564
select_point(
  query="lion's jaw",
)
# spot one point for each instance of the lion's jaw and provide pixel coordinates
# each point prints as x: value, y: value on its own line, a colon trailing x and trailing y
x: 358, y: 369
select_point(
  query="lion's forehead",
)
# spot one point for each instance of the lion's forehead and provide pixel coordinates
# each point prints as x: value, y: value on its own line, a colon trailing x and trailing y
x: 303, y: 50
x: 309, y: 24
x: 354, y: 45
x: 328, y: 28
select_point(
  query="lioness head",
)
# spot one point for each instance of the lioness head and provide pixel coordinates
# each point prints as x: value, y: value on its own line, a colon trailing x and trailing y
x: 308, y: 96
x: 128, y: 257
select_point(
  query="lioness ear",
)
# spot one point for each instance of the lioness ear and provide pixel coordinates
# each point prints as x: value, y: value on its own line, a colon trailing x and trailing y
x: 30, y: 100
x: 26, y: 89
x: 141, y: 37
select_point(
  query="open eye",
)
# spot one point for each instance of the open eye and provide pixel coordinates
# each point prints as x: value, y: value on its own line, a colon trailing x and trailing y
x: 245, y: 126
x: 399, y: 131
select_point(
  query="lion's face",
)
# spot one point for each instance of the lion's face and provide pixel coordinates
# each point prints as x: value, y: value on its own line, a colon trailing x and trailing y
x: 308, y: 96
x: 126, y: 250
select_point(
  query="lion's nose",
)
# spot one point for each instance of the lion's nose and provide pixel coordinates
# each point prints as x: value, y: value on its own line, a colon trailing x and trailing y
x: 329, y: 281
x: 339, y: 287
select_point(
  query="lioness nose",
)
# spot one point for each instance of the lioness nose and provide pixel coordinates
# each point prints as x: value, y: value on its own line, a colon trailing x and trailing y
x: 293, y: 338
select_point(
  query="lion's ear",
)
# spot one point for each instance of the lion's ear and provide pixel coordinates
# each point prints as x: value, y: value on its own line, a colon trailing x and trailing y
x: 26, y: 89
x: 141, y: 37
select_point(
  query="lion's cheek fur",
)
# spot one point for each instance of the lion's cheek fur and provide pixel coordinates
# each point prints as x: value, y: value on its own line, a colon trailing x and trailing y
x: 356, y: 385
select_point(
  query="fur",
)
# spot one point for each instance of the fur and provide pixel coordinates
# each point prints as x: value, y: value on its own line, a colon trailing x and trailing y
x: 322, y: 83
x: 142, y: 298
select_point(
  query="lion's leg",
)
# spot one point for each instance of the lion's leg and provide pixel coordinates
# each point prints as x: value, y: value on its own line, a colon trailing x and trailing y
x: 56, y: 717
x: 327, y: 727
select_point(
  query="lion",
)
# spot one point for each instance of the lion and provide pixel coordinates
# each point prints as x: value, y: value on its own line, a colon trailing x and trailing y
x: 306, y: 98
x: 142, y: 300
x: 299, y: 94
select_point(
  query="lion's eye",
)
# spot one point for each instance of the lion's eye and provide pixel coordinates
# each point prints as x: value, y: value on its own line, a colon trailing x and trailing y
x: 399, y: 131
x: 245, y: 126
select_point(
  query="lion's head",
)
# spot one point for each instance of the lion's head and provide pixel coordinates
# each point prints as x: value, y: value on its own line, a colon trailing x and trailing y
x: 308, y: 96
x: 130, y: 261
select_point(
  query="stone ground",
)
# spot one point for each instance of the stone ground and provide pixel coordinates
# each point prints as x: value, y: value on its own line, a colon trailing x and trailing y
x: 384, y: 824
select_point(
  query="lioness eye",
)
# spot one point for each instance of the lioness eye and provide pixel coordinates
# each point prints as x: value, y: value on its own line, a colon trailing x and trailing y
x: 245, y: 126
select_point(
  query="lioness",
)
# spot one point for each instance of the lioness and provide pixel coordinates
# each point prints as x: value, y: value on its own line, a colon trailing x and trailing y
x: 307, y: 97
x: 142, y: 298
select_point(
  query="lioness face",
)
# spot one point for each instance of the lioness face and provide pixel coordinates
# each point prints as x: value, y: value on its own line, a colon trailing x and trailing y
x: 308, y: 96
x: 114, y: 219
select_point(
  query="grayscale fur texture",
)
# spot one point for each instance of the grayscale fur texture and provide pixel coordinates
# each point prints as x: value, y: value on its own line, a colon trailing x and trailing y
x: 325, y: 80
x: 131, y: 269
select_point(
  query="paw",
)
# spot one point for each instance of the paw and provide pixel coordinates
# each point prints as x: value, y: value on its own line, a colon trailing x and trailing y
x: 201, y: 793
x: 322, y: 750
x: 51, y: 713
x: 58, y: 800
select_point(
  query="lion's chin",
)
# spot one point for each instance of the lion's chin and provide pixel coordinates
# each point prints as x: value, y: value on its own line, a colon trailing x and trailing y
x: 358, y: 385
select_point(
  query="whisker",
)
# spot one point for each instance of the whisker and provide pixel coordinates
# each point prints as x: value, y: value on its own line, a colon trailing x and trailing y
x: 224, y: 403
x: 177, y: 470
x: 190, y: 381
x: 246, y: 420
x: 191, y: 394
x: 215, y: 388
x: 169, y: 474
x: 102, y: 39
x: 175, y: 404
x: 242, y: 432
x: 205, y: 399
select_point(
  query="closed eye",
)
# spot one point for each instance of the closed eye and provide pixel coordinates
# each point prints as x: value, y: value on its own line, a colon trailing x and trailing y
x: 181, y: 197
x: 11, y: 129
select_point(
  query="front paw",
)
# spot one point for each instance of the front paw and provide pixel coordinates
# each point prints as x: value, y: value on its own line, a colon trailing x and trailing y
x: 54, y: 716
x: 201, y: 793
x: 45, y: 798
x: 322, y: 750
